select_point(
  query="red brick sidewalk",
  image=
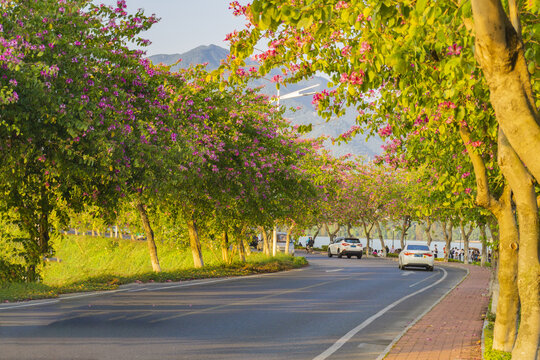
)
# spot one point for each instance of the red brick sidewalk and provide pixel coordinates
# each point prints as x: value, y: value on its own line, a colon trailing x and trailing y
x: 452, y: 330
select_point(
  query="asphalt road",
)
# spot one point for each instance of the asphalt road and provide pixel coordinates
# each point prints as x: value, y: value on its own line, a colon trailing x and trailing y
x: 333, y: 309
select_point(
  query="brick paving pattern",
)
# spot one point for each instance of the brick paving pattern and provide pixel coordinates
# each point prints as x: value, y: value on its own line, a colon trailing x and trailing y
x: 452, y: 330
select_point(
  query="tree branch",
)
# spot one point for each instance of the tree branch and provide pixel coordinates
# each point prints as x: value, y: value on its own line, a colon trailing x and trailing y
x: 483, y: 195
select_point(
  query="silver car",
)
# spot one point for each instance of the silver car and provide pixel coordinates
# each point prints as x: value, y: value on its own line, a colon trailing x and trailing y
x: 416, y: 255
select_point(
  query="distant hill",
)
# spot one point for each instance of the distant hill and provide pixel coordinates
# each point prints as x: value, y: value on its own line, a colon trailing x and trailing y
x: 212, y: 55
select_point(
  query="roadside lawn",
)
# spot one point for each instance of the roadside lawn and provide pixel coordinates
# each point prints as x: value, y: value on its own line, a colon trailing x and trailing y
x: 92, y: 264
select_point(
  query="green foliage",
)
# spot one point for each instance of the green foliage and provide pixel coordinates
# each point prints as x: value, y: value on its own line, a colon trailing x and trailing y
x: 11, y: 272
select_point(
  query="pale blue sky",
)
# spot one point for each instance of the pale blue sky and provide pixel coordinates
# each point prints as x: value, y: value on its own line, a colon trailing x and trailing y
x: 185, y: 24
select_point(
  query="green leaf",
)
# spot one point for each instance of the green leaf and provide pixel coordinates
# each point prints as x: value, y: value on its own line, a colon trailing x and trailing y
x: 420, y: 6
x: 460, y: 113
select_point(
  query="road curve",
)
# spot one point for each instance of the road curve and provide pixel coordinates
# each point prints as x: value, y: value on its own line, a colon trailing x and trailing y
x: 333, y: 309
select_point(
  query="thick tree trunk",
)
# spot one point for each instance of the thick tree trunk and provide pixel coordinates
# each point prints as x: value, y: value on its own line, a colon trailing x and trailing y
x: 149, y: 237
x: 507, y: 303
x: 500, y: 53
x: 504, y: 333
x: 522, y: 186
x: 195, y: 243
x: 225, y: 247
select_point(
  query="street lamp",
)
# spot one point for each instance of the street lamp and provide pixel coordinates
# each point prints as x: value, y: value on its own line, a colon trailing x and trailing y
x: 290, y: 95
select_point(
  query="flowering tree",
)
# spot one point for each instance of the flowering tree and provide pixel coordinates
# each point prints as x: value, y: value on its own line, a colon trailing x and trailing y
x: 419, y: 58
x: 58, y: 59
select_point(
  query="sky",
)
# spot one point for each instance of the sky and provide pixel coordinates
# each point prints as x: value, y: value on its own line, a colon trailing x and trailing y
x: 185, y: 24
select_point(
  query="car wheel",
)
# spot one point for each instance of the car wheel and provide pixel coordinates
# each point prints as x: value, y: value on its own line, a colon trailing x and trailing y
x: 348, y: 256
x: 360, y: 256
x: 329, y: 253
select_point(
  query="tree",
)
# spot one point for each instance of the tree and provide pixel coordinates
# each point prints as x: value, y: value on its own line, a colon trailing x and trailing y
x: 61, y: 59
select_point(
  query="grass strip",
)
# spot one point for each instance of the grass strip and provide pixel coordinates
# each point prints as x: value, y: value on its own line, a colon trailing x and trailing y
x: 31, y: 291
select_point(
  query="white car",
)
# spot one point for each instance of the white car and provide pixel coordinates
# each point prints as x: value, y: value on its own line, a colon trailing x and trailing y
x: 345, y: 246
x: 416, y: 255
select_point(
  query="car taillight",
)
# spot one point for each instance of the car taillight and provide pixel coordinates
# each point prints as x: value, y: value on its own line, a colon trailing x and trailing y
x: 344, y: 244
x: 428, y: 254
x: 408, y: 253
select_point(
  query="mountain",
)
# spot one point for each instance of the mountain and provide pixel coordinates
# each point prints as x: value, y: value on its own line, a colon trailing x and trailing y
x: 306, y: 113
x: 211, y: 54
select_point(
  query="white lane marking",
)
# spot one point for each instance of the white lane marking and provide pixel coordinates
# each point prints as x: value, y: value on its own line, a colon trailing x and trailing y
x: 29, y: 304
x: 334, y: 270
x: 343, y: 340
x: 421, y: 281
x: 400, y: 335
x: 407, y: 273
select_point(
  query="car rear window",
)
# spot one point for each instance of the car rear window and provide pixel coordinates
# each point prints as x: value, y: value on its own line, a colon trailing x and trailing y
x: 418, y: 247
x: 352, y: 241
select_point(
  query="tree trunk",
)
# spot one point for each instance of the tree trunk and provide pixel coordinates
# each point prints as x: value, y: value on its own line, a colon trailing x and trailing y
x: 349, y: 227
x: 483, y: 236
x: 367, y: 232
x: 149, y: 237
x: 331, y: 235
x: 43, y: 232
x: 316, y: 233
x: 494, y: 268
x: 447, y: 232
x: 288, y: 240
x: 383, y: 245
x: 266, y: 246
x: 225, y: 247
x: 507, y: 302
x: 465, y: 236
x: 404, y: 227
x: 500, y: 52
x: 241, y: 249
x: 522, y: 186
x: 195, y: 243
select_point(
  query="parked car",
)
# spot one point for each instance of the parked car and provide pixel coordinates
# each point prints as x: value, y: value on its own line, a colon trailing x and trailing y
x: 347, y: 246
x: 416, y: 255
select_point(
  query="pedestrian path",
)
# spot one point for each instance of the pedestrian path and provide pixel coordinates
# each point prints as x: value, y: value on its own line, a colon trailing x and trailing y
x: 452, y: 330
